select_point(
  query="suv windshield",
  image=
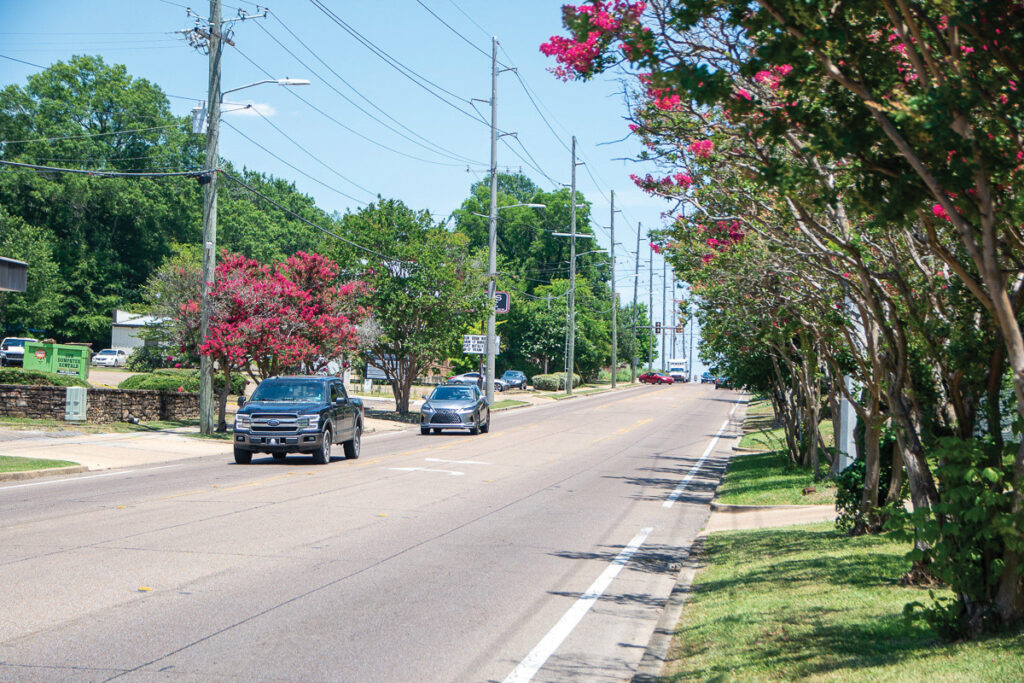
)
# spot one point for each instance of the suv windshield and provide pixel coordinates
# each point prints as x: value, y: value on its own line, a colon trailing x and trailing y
x: 451, y: 394
x: 15, y: 342
x: 289, y: 392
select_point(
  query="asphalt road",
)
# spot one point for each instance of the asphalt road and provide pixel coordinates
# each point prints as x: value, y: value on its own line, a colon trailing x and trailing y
x: 541, y: 551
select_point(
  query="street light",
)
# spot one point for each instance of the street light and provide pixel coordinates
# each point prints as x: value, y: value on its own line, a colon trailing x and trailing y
x: 215, y: 98
x: 492, y: 267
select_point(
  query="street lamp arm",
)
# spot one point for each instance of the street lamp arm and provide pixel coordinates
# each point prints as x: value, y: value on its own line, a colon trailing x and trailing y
x: 278, y: 81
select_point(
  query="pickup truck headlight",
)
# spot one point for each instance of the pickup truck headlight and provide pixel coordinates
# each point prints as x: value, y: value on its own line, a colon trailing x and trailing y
x: 309, y: 422
x: 242, y: 421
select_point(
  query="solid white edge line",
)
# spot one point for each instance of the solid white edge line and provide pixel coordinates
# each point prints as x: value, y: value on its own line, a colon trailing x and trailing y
x: 64, y: 481
x: 528, y: 668
x: 671, y: 500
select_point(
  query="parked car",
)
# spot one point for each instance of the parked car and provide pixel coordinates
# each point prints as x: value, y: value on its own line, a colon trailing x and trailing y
x: 110, y: 358
x: 515, y: 379
x: 12, y: 350
x: 707, y: 378
x: 723, y: 383
x: 655, y: 378
x: 474, y: 379
x: 455, y: 406
x: 301, y: 414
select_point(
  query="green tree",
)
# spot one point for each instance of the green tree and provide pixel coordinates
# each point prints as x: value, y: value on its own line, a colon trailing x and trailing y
x: 32, y: 312
x: 425, y: 289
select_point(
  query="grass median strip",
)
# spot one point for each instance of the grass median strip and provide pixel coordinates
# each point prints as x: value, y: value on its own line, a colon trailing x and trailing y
x: 807, y: 602
x: 770, y: 479
x: 9, y: 463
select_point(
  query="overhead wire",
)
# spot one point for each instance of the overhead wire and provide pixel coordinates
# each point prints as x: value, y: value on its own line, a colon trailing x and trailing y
x: 294, y: 167
x: 103, y: 174
x: 309, y: 222
x: 313, y: 156
x: 342, y: 125
x: 433, y: 147
x: 409, y: 73
x: 454, y: 30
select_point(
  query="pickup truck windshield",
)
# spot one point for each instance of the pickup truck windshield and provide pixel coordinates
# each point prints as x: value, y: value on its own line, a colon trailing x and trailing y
x: 289, y: 392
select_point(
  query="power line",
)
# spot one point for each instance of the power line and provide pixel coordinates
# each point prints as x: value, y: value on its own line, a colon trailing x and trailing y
x: 104, y: 174
x: 92, y: 135
x: 455, y: 31
x: 438, y: 148
x: 412, y: 75
x: 313, y: 156
x: 309, y: 222
x: 292, y: 92
x: 22, y: 61
x: 471, y: 19
x: 293, y: 167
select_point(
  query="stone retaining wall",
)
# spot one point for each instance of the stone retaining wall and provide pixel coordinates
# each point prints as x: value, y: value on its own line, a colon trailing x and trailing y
x: 102, y: 405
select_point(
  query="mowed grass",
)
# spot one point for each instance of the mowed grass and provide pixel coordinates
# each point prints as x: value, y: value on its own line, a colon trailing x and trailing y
x: 9, y: 463
x: 508, y: 403
x: 809, y: 603
x: 770, y: 478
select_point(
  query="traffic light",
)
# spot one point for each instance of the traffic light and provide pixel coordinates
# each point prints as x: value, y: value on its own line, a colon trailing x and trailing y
x: 657, y: 328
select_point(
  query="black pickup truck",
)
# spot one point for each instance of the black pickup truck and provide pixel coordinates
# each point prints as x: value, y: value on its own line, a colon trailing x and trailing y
x: 303, y: 414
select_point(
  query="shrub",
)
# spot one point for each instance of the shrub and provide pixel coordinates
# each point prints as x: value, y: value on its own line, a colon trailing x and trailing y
x: 147, y: 359
x: 554, y: 381
x: 169, y: 379
x: 39, y: 379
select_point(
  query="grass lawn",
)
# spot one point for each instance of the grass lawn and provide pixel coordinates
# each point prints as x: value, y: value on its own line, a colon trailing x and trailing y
x: 10, y: 463
x: 47, y: 425
x: 809, y: 603
x: 507, y: 403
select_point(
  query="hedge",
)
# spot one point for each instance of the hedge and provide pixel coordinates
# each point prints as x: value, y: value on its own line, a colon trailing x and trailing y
x: 188, y: 380
x: 553, y: 382
x: 39, y: 379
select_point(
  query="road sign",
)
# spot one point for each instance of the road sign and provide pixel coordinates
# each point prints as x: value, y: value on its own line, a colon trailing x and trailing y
x: 502, y: 302
x: 477, y: 343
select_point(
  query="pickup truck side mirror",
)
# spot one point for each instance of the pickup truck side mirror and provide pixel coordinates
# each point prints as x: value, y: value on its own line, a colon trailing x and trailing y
x: 241, y: 401
x: 341, y: 400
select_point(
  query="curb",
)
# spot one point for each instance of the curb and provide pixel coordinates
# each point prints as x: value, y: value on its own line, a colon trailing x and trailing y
x: 656, y: 654
x: 35, y: 474
x: 750, y: 451
x: 725, y: 507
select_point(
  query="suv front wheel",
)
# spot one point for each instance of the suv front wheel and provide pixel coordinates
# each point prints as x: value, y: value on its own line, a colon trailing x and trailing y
x: 322, y: 455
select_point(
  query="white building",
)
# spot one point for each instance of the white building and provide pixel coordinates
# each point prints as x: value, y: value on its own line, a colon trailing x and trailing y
x: 124, y: 333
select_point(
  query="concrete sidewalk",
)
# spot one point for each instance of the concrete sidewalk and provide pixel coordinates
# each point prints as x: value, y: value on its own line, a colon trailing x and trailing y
x: 735, y: 517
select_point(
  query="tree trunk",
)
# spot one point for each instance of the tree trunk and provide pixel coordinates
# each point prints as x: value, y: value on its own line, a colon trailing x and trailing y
x: 222, y: 401
x: 896, y: 483
x: 869, y: 498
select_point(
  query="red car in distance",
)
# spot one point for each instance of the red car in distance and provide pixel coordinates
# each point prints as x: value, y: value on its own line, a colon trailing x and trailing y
x: 655, y: 378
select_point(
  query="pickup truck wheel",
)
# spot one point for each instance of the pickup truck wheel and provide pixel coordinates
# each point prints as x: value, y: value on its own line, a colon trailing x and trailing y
x: 352, y: 445
x: 242, y: 457
x: 322, y: 455
x: 279, y: 456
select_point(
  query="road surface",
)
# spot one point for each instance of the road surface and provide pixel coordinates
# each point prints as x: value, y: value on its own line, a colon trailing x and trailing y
x: 541, y: 551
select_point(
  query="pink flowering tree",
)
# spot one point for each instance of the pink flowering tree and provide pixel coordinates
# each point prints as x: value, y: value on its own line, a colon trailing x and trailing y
x: 908, y: 125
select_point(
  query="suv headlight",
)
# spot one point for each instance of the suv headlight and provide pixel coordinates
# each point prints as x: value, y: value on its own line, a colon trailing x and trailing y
x: 468, y: 409
x: 426, y: 408
x: 309, y: 422
x: 242, y: 421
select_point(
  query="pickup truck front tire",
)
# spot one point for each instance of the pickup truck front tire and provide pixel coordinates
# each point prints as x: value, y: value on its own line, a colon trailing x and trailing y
x: 322, y: 455
x: 242, y: 457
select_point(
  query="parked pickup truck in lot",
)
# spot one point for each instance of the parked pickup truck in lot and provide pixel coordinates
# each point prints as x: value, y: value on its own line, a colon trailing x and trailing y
x: 302, y: 414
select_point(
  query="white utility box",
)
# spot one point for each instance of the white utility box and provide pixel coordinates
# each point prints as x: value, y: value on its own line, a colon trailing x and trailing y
x: 75, y: 404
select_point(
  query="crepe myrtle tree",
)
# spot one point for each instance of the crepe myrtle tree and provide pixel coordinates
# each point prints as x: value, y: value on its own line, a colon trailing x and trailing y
x: 266, y: 320
x: 925, y: 96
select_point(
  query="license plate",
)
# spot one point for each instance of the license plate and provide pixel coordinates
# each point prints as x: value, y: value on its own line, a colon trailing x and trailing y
x: 273, y: 442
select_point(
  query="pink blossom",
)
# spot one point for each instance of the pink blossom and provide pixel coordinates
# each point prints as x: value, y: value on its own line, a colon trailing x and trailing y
x: 740, y: 92
x: 940, y: 212
x: 702, y: 148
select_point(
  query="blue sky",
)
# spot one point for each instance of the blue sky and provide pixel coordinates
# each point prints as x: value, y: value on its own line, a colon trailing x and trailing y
x: 414, y: 147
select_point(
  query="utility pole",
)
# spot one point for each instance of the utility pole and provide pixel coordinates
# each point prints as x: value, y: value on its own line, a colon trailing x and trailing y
x: 210, y: 215
x: 664, y: 318
x: 675, y: 307
x: 492, y: 230
x: 690, y: 321
x: 650, y: 311
x: 636, y: 278
x: 615, y: 302
x: 570, y: 352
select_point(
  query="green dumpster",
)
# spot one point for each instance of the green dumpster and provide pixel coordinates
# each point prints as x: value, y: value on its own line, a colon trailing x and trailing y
x: 63, y: 359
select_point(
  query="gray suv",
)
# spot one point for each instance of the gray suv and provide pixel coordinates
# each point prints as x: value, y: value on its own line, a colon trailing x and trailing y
x: 302, y: 414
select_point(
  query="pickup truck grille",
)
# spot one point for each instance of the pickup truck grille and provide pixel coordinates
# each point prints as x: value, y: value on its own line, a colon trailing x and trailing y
x: 275, y: 423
